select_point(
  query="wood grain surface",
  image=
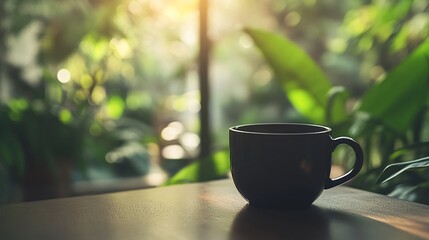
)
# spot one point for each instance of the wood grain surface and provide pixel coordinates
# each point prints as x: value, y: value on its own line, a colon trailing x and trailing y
x: 213, y: 210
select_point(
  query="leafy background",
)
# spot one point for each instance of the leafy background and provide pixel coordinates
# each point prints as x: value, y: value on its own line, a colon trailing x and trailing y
x: 100, y: 96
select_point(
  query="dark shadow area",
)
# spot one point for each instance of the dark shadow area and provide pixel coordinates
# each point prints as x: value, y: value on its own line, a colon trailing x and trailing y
x: 312, y: 223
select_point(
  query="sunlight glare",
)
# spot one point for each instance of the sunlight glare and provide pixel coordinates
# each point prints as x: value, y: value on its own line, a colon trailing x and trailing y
x: 63, y: 75
x: 173, y: 152
x: 172, y: 131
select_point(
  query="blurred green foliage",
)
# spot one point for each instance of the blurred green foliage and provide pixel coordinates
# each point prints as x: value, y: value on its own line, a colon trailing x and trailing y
x: 63, y: 101
x: 95, y: 83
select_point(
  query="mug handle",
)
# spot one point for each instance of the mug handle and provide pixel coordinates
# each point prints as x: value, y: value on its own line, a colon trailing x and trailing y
x: 356, y: 167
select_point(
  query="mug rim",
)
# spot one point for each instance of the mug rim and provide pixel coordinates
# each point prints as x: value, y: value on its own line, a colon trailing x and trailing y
x: 322, y: 129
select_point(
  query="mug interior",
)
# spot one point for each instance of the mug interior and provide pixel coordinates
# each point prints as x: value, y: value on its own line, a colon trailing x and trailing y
x: 281, y: 128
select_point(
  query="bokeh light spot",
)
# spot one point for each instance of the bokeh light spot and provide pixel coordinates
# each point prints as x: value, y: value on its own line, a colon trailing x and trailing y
x: 173, y: 152
x: 63, y: 75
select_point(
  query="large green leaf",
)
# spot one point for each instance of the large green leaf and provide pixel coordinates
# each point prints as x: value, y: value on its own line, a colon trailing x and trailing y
x: 398, y: 99
x: 303, y: 81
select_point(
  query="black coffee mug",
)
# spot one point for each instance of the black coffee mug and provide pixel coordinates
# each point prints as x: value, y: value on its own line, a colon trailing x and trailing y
x: 285, y: 165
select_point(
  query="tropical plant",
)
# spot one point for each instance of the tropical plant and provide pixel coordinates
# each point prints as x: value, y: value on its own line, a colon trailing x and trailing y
x: 389, y: 115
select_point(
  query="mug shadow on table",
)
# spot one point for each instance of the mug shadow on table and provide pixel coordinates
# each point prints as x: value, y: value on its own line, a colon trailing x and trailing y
x: 312, y: 223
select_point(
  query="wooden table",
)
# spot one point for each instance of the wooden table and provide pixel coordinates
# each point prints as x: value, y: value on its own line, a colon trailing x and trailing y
x: 213, y: 210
